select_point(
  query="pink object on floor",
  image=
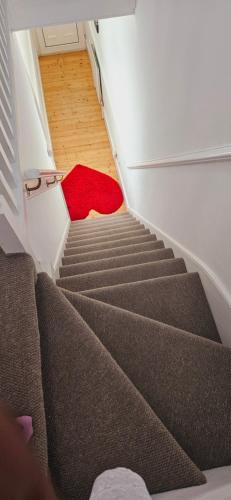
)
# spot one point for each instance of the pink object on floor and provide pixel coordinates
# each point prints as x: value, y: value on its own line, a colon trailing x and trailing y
x: 25, y: 423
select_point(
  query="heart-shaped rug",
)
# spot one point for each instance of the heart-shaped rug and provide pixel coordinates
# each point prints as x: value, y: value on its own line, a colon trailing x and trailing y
x: 87, y: 189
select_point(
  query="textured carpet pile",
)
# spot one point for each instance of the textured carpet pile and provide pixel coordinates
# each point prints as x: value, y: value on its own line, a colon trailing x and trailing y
x: 134, y: 373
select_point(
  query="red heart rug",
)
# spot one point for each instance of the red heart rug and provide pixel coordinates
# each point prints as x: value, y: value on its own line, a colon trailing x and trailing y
x: 87, y: 189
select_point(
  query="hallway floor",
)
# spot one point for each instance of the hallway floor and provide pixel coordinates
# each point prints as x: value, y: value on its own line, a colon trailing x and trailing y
x: 78, y: 131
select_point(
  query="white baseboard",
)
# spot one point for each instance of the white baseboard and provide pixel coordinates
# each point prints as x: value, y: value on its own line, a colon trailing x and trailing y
x: 60, y: 252
x: 218, y: 297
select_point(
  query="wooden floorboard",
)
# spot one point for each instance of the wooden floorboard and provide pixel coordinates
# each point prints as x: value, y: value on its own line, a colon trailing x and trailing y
x: 78, y: 131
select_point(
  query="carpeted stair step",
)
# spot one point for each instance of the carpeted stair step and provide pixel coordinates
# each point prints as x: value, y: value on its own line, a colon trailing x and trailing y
x: 178, y: 301
x: 116, y: 262
x: 102, y: 227
x: 105, y: 216
x: 113, y: 252
x: 97, y: 418
x: 103, y: 222
x: 21, y: 385
x: 100, y: 239
x: 103, y: 219
x: 109, y: 244
x: 109, y: 277
x: 103, y: 232
x: 181, y: 368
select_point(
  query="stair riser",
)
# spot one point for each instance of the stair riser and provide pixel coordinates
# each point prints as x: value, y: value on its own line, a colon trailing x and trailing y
x: 115, y: 252
x: 108, y: 245
x: 97, y: 234
x: 119, y: 236
x: 116, y: 262
x: 130, y: 274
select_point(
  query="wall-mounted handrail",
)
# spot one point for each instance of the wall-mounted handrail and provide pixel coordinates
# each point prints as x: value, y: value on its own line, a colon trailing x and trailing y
x: 204, y: 156
x: 37, y: 181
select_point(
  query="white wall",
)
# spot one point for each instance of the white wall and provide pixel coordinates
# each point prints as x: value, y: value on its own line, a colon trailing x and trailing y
x: 47, y: 219
x: 32, y: 139
x: 48, y: 225
x: 29, y: 49
x: 33, y: 13
x: 167, y: 82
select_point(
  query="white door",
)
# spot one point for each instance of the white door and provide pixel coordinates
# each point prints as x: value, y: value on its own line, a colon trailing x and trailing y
x: 63, y: 38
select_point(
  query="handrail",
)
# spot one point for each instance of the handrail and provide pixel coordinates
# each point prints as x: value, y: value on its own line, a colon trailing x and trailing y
x: 44, y: 179
x: 208, y: 155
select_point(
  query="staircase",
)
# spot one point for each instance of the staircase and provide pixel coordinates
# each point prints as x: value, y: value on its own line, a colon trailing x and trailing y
x: 117, y: 261
x: 121, y: 364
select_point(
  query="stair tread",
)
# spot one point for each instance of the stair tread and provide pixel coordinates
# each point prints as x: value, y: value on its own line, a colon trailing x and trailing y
x: 102, y: 232
x: 101, y: 220
x: 109, y: 244
x: 179, y: 301
x: 113, y: 252
x: 116, y: 262
x: 177, y: 362
x: 107, y: 237
x: 82, y: 302
x: 128, y: 274
x: 103, y: 217
x: 103, y: 227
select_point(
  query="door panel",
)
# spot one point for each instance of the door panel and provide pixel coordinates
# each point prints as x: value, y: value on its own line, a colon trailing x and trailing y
x: 60, y: 35
x: 56, y: 39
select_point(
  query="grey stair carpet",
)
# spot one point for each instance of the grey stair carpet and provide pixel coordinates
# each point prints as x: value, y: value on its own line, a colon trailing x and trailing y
x: 101, y: 232
x: 109, y: 244
x: 154, y: 319
x: 182, y: 369
x: 135, y: 274
x: 123, y: 357
x: 177, y: 300
x: 103, y: 227
x: 91, y: 233
x: 108, y: 277
x: 100, y: 239
x: 96, y: 418
x: 103, y: 220
x: 116, y: 262
x: 113, y: 252
x: 20, y: 361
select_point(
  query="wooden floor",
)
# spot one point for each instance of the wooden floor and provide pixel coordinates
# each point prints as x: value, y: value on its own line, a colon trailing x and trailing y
x: 78, y: 131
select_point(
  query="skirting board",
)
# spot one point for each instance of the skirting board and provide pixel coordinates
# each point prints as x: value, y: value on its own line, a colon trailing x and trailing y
x: 217, y: 295
x: 60, y: 252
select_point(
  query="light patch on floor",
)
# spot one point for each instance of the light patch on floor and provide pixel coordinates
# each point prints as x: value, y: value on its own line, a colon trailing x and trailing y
x: 77, y: 128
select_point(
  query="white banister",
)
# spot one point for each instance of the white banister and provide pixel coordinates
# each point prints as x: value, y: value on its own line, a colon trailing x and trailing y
x: 11, y: 212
